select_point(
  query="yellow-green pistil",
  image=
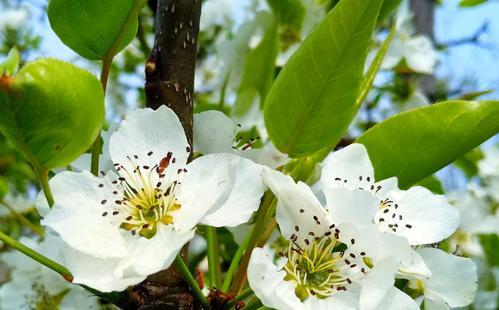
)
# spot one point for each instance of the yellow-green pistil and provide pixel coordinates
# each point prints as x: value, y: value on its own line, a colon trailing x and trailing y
x: 315, y: 269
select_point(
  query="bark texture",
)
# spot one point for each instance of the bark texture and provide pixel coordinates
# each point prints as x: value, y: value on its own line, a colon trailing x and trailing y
x: 170, y: 81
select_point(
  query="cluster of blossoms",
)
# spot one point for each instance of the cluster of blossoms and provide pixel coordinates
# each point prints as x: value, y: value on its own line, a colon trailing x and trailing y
x: 358, y: 244
x: 348, y: 251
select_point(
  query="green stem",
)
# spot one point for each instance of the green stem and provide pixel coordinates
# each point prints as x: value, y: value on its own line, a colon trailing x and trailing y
x: 36, y: 229
x: 244, y: 294
x: 235, y: 263
x: 213, y: 256
x: 253, y: 304
x: 37, y: 257
x: 258, y: 229
x: 192, y: 282
x: 43, y: 175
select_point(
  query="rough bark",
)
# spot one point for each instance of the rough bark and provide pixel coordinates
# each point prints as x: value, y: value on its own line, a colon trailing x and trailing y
x: 170, y: 81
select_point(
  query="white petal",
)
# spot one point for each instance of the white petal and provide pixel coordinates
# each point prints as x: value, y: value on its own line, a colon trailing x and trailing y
x: 77, y: 215
x: 349, y: 167
x: 268, y: 283
x: 377, y: 283
x: 148, y: 256
x: 214, y: 132
x: 150, y: 135
x: 385, y: 187
x: 413, y: 266
x: 344, y: 300
x: 395, y: 299
x: 351, y: 206
x: 453, y: 280
x: 97, y: 273
x: 268, y: 156
x: 420, y: 55
x: 220, y: 190
x: 430, y: 217
x: 298, y: 211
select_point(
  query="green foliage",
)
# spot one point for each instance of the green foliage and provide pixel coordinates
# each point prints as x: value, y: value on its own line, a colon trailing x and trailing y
x: 258, y: 73
x: 368, y: 80
x: 92, y: 28
x: 10, y: 65
x: 417, y: 143
x: 468, y: 163
x: 490, y: 244
x: 433, y: 184
x: 312, y: 102
x: 387, y: 9
x: 289, y: 12
x: 52, y: 111
x: 470, y: 3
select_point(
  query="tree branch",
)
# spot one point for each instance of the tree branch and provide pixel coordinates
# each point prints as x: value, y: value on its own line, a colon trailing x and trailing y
x: 170, y: 81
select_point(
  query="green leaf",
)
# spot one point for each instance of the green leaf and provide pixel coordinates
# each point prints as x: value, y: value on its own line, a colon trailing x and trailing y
x: 490, y: 244
x: 468, y: 163
x: 10, y: 65
x: 387, y: 9
x: 368, y: 80
x: 95, y: 29
x: 258, y: 73
x: 312, y: 102
x: 433, y: 184
x: 419, y: 142
x: 470, y: 3
x: 52, y: 111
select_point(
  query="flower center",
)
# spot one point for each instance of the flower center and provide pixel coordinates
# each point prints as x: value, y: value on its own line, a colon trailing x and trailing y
x: 148, y: 196
x: 316, y: 270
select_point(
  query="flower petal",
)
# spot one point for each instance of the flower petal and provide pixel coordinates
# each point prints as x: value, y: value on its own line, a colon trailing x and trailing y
x: 219, y: 190
x: 299, y: 213
x: 148, y: 256
x: 98, y: 273
x: 268, y: 283
x: 349, y: 167
x: 268, y: 156
x: 77, y: 215
x: 145, y: 137
x: 395, y: 299
x: 422, y: 217
x: 454, y: 278
x: 351, y: 206
x: 214, y: 132
x: 377, y: 283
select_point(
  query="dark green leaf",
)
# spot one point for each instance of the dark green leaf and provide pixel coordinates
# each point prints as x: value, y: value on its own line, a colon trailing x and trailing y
x: 52, y: 111
x: 417, y: 143
x: 92, y: 28
x: 387, y: 9
x: 312, y: 102
x: 468, y: 163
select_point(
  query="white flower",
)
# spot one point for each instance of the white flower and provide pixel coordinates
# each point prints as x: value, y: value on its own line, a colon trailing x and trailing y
x: 122, y: 227
x: 489, y: 170
x: 34, y: 286
x: 330, y: 264
x: 13, y: 18
x: 417, y: 51
x: 214, y: 132
x: 453, y: 282
x: 216, y: 12
x: 417, y: 214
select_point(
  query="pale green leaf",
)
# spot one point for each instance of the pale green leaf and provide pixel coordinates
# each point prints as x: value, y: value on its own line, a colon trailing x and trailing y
x: 95, y: 28
x: 312, y: 101
x: 10, y: 65
x: 417, y: 143
x: 52, y: 111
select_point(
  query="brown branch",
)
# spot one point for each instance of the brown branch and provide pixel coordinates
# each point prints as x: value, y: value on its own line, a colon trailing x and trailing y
x: 170, y: 81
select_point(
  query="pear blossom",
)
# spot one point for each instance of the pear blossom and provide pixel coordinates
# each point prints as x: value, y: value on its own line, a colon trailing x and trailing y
x: 453, y: 282
x: 214, y: 132
x: 489, y: 170
x: 34, y: 286
x: 131, y: 222
x: 416, y: 214
x: 417, y: 50
x: 330, y: 264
